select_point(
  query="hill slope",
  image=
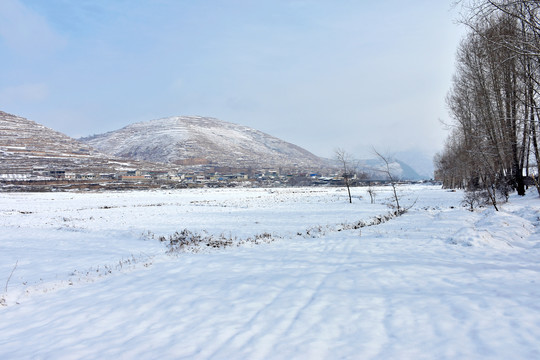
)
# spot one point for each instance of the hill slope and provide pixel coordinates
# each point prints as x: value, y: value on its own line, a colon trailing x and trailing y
x: 189, y: 140
x: 26, y: 145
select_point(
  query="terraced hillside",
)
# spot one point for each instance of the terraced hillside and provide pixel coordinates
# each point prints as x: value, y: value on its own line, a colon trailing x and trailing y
x: 26, y: 146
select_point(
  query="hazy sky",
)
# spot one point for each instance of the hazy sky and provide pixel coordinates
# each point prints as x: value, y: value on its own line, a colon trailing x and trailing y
x: 320, y: 74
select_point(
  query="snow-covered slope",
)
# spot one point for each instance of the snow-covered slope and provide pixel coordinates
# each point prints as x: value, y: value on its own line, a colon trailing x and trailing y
x: 22, y: 139
x: 420, y: 161
x: 192, y: 140
x: 376, y: 169
x: 25, y: 145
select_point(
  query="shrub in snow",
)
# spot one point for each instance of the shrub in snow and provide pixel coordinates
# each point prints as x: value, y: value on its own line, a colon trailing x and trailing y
x: 187, y: 240
x: 490, y: 195
x: 473, y: 199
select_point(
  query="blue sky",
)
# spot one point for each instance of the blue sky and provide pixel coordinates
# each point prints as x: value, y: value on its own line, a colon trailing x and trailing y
x: 320, y: 74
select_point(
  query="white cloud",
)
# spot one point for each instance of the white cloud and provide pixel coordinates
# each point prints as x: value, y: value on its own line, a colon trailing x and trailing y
x: 25, y: 31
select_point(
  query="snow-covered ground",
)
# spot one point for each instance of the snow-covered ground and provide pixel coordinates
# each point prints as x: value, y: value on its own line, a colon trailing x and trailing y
x: 86, y: 277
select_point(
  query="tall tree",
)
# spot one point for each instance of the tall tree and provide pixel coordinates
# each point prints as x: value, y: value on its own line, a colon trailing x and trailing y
x: 493, y: 97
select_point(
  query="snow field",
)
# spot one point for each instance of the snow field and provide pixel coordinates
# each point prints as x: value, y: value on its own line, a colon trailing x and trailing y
x: 438, y: 282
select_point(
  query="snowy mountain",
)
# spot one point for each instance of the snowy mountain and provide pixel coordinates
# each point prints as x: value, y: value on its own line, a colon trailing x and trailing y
x: 192, y: 140
x: 420, y: 161
x: 26, y: 145
x: 408, y: 173
x: 376, y: 169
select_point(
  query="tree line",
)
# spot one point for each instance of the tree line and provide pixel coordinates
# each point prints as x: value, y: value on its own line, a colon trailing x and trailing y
x: 494, y: 100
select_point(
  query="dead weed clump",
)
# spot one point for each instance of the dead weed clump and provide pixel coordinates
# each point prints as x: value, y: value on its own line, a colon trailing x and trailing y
x: 189, y: 241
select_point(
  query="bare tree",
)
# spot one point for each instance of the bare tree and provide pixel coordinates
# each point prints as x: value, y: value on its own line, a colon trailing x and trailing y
x: 390, y: 175
x: 348, y: 167
x: 372, y: 193
x: 495, y: 93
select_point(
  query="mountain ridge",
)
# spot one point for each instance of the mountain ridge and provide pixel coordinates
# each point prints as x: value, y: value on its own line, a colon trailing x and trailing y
x: 183, y: 140
x: 160, y: 144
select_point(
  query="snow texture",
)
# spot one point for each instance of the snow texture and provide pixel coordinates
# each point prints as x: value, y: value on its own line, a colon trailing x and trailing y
x: 87, y: 278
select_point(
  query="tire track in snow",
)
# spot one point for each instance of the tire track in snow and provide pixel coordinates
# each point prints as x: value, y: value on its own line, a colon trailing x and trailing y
x: 261, y: 335
x: 241, y: 338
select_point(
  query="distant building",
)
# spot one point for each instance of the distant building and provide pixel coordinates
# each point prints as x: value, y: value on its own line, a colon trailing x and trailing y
x: 59, y: 174
x: 136, y: 178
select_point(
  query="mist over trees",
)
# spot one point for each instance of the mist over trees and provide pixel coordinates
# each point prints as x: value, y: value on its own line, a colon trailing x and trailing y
x: 493, y: 101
